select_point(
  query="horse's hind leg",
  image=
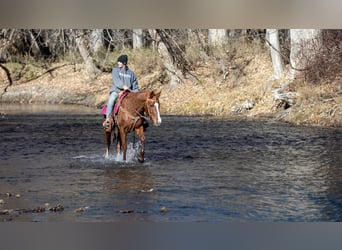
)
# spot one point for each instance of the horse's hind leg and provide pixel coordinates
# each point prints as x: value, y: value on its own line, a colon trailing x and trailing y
x: 123, y: 143
x: 108, y: 142
x: 140, y: 132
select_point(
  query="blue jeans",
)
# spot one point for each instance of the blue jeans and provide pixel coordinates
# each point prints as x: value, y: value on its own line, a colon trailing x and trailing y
x: 111, y: 100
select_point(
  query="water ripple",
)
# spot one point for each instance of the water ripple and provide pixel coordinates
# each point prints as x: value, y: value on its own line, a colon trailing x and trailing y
x: 199, y: 168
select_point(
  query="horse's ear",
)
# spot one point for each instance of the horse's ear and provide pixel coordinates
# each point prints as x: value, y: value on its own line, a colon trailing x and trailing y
x: 156, y: 93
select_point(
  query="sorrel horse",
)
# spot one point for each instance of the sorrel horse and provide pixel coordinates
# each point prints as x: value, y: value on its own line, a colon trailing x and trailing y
x: 134, y: 109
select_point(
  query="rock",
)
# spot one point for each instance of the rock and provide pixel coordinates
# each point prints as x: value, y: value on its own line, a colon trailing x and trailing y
x: 248, y: 105
x: 4, y: 212
x: 57, y: 208
x: 147, y: 190
x: 241, y: 107
x: 36, y: 210
x: 126, y: 211
x: 78, y: 210
x: 284, y: 97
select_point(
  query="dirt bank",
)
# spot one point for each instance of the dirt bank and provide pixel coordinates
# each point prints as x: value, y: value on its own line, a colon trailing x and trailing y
x: 248, y: 93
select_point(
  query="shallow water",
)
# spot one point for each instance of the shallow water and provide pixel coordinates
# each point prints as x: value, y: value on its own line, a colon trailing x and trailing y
x: 197, y: 168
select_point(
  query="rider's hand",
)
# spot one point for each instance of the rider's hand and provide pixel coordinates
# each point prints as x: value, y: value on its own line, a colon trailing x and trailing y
x: 125, y: 87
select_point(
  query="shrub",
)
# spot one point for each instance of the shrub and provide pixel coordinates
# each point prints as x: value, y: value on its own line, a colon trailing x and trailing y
x: 326, y: 64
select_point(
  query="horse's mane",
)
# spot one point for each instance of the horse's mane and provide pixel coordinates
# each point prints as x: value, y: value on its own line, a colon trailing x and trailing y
x: 133, y: 100
x: 143, y: 93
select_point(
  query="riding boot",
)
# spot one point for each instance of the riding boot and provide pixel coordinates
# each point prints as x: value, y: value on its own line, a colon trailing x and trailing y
x: 108, y: 124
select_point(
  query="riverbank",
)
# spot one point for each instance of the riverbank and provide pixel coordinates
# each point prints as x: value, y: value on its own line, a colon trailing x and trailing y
x: 247, y: 92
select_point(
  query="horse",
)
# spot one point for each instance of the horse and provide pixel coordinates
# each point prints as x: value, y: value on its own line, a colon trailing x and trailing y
x: 135, y: 109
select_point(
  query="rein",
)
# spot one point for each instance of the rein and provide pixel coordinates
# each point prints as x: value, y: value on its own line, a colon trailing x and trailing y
x: 139, y: 114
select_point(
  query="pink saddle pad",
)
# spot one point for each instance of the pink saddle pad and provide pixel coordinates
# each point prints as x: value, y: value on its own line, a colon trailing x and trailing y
x: 104, y: 109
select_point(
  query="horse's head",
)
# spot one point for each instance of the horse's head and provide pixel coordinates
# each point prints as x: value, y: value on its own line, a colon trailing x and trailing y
x: 152, y: 107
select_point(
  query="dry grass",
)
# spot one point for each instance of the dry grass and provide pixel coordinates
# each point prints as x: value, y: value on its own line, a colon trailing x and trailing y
x: 214, y: 95
x: 318, y: 104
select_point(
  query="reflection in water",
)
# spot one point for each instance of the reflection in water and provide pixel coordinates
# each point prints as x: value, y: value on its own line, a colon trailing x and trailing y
x: 130, y: 190
x: 331, y: 199
x: 199, y: 168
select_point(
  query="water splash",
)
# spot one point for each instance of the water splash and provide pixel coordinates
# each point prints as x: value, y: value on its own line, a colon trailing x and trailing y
x: 132, y: 153
x: 92, y: 158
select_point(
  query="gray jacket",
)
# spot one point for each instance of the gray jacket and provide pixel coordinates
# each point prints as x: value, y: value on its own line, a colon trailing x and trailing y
x: 123, y: 76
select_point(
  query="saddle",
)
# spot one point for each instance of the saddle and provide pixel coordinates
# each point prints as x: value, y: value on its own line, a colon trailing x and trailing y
x: 117, y: 104
x: 119, y: 101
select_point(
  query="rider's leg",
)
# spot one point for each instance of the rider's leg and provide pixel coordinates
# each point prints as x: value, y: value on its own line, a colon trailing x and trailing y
x: 111, y: 100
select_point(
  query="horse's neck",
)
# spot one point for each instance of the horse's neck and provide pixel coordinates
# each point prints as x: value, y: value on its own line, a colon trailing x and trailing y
x: 136, y: 100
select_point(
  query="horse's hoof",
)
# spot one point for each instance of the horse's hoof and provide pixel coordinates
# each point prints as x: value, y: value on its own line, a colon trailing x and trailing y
x: 141, y: 160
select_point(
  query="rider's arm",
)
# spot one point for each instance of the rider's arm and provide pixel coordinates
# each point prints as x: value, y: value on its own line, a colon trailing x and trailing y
x: 134, y: 81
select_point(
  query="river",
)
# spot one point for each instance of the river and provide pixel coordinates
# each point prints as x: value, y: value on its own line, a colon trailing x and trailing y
x: 196, y: 169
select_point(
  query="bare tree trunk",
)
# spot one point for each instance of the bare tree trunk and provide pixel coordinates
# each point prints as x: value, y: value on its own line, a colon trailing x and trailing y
x: 231, y: 33
x: 277, y: 61
x: 217, y: 37
x: 196, y: 40
x: 172, y: 71
x: 90, y: 65
x: 175, y: 62
x: 34, y: 44
x: 137, y: 38
x: 96, y: 41
x: 154, y: 36
x: 302, y: 41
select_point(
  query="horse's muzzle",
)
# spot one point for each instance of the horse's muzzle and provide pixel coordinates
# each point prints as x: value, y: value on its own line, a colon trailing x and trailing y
x: 157, y: 123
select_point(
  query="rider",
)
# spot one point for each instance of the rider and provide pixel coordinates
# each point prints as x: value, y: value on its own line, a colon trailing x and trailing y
x: 122, y: 79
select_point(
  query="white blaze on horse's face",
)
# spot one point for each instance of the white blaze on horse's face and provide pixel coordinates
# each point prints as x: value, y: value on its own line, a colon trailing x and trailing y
x: 158, y: 114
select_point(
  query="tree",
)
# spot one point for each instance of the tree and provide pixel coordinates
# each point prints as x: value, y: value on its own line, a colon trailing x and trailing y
x: 166, y: 52
x: 217, y: 37
x: 96, y: 41
x: 137, y: 38
x: 82, y: 44
x: 272, y: 37
x: 154, y: 37
x: 173, y: 57
x: 303, y: 42
x: 198, y: 43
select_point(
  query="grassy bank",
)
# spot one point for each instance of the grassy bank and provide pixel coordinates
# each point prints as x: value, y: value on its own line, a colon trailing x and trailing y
x: 245, y: 89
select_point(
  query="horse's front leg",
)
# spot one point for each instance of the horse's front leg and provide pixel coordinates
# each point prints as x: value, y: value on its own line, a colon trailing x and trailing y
x: 108, y: 135
x: 118, y: 141
x: 140, y: 132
